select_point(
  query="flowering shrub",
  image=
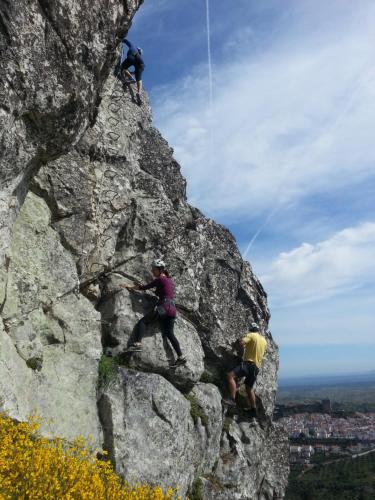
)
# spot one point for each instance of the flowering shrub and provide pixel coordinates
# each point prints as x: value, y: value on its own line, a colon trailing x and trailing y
x: 34, y: 467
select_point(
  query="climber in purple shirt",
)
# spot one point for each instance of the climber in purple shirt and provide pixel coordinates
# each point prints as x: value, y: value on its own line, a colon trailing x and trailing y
x: 164, y: 311
x: 132, y: 56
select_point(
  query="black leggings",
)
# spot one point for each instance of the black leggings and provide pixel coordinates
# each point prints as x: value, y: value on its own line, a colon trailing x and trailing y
x: 167, y: 328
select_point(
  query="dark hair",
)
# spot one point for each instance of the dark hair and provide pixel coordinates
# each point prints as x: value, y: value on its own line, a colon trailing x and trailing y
x: 163, y: 270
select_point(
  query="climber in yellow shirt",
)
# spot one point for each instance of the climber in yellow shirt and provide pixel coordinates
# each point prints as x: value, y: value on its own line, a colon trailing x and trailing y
x: 254, y: 346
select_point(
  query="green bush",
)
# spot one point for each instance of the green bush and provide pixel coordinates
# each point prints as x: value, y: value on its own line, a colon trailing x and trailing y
x: 213, y: 377
x: 107, y: 370
x: 346, y: 479
x: 227, y: 424
x: 195, y: 490
x: 196, y: 411
x: 207, y: 378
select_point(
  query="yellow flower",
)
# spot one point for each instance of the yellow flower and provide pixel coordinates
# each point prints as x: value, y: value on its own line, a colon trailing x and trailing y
x: 37, y: 468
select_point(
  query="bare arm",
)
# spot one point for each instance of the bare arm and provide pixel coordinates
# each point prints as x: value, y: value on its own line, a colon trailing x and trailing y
x: 138, y: 286
x: 131, y: 287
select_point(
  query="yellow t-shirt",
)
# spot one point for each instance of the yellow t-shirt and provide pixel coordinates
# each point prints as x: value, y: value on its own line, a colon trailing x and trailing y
x: 254, y: 348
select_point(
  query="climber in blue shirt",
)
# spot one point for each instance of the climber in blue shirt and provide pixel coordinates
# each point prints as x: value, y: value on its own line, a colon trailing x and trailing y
x: 132, y: 56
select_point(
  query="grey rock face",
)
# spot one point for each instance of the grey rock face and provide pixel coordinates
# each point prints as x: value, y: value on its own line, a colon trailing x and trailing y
x: 156, y: 434
x: 51, y: 342
x: 149, y: 429
x: 90, y: 194
x: 206, y: 405
x: 55, y: 56
x: 253, y: 463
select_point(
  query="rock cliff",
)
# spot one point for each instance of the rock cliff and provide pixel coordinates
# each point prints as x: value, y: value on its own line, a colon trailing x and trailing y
x: 90, y: 194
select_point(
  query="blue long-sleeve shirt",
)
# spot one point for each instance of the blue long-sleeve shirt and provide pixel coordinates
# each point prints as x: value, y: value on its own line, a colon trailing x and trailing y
x: 127, y: 49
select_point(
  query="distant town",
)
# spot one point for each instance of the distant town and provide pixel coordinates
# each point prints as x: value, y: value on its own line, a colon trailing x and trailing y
x: 317, y: 433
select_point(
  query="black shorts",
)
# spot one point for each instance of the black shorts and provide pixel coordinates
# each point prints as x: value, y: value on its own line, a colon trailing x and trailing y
x: 248, y: 370
x: 138, y: 64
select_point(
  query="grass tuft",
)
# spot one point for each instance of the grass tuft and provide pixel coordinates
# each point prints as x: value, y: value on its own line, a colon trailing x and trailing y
x: 196, y: 411
x: 195, y: 490
x: 107, y: 370
x: 227, y: 423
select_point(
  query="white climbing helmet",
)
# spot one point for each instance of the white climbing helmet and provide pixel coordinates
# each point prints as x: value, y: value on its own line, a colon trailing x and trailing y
x: 158, y: 263
x: 254, y: 327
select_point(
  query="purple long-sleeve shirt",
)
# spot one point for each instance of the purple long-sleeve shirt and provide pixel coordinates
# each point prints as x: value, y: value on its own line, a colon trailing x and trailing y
x: 165, y: 290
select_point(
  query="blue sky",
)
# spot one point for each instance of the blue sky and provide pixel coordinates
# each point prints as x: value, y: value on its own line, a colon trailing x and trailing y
x: 284, y: 155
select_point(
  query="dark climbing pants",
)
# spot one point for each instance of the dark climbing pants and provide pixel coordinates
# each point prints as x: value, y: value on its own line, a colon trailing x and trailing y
x: 166, y: 325
x: 249, y: 370
x: 138, y: 64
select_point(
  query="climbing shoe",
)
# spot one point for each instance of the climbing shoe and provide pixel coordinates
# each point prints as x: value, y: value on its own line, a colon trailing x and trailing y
x: 139, y: 99
x: 251, y: 412
x: 134, y: 348
x: 179, y: 362
x: 229, y: 402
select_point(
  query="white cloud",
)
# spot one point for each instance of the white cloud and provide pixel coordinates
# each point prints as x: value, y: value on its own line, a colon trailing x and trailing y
x: 286, y: 124
x: 340, y: 321
x: 292, y: 119
x: 312, y: 272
